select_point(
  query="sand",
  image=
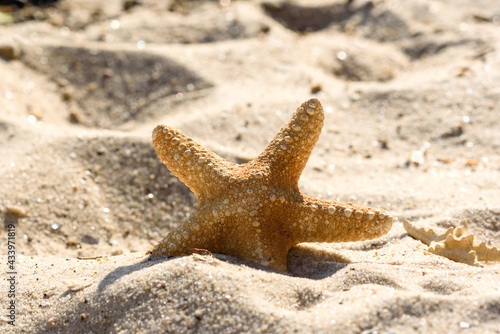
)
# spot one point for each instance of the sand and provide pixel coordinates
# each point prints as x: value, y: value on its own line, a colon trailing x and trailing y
x: 411, y: 93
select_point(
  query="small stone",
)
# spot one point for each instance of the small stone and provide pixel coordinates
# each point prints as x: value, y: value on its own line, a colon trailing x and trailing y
x: 55, y: 226
x: 464, y: 325
x: 88, y: 239
x: 198, y: 313
x: 17, y: 211
x: 71, y: 242
x: 9, y: 50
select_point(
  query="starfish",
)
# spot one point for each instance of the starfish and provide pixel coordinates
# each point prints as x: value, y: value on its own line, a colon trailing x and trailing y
x: 255, y: 211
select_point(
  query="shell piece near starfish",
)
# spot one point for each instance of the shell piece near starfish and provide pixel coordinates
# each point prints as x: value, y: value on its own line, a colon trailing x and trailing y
x: 426, y: 235
x: 255, y: 210
x: 454, y: 244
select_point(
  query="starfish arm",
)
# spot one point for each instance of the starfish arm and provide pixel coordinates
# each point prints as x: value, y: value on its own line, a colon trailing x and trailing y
x: 199, y: 168
x: 192, y: 233
x: 328, y: 221
x: 287, y: 154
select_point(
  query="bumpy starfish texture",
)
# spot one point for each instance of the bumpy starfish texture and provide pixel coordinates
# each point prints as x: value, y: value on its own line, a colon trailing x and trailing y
x: 454, y: 244
x: 255, y: 211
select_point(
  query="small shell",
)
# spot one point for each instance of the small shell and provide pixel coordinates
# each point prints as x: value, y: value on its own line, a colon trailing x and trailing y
x: 454, y: 244
x: 75, y: 284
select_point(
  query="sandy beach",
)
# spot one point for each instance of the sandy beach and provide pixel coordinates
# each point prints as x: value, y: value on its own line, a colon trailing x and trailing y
x: 411, y: 93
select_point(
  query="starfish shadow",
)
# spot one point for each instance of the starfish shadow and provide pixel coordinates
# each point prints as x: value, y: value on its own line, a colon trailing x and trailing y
x: 306, y: 261
x: 123, y: 271
x: 242, y: 262
x: 120, y: 272
x: 313, y: 262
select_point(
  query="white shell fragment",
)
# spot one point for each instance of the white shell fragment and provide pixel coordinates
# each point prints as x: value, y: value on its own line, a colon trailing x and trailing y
x: 454, y: 244
x: 74, y: 284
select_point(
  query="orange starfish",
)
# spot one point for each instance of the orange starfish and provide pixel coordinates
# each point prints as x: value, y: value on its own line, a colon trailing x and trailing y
x: 255, y: 211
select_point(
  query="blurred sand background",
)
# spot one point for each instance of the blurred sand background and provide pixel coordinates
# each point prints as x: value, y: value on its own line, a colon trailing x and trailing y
x: 411, y: 92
